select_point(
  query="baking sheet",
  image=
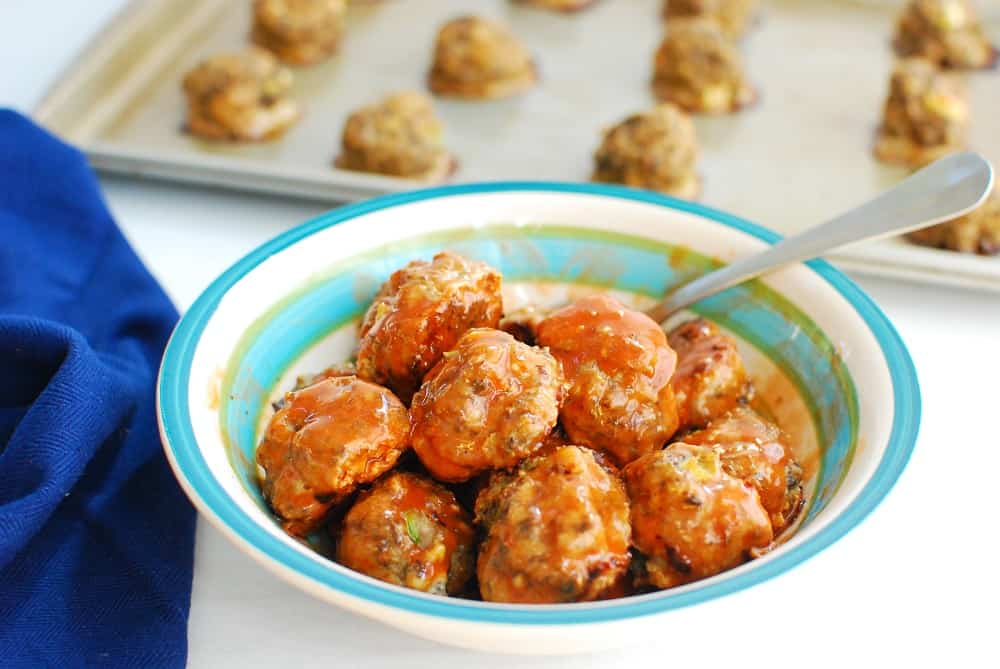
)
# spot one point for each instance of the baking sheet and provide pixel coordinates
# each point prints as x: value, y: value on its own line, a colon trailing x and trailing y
x: 802, y: 154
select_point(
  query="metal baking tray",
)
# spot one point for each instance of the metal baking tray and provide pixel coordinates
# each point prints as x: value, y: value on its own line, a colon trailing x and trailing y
x: 800, y: 155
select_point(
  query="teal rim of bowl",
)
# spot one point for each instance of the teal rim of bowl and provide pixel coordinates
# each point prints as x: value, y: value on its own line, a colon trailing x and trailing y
x: 176, y: 424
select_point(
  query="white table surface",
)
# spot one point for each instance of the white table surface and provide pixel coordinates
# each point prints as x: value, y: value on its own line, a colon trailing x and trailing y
x: 915, y: 585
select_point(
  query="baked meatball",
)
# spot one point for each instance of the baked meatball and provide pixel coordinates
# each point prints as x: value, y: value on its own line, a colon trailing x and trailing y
x: 240, y: 96
x: 478, y: 58
x: 710, y: 378
x: 946, y: 32
x: 325, y: 441
x: 756, y: 451
x: 565, y: 6
x: 488, y: 404
x: 557, y: 530
x: 976, y: 232
x: 618, y: 366
x: 401, y: 136
x: 656, y: 149
x: 925, y: 116
x: 300, y: 32
x: 699, y: 69
x: 409, y: 531
x: 420, y: 313
x: 733, y: 16
x: 691, y: 519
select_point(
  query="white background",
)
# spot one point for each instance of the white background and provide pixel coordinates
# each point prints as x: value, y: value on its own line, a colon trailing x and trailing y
x: 915, y: 585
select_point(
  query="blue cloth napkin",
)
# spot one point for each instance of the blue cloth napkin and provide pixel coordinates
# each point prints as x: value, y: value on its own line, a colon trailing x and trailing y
x: 96, y: 537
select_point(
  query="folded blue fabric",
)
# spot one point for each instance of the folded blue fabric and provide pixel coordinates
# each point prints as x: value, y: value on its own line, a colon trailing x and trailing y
x: 96, y: 538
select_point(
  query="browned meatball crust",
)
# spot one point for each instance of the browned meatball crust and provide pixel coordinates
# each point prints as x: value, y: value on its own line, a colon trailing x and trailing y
x: 565, y: 6
x: 656, y: 149
x: 698, y: 69
x: 409, y: 531
x: 710, y: 378
x: 400, y: 136
x: 325, y: 441
x: 479, y: 58
x: 618, y: 366
x: 420, y: 313
x: 240, y: 97
x: 691, y: 519
x: 557, y: 530
x: 926, y: 115
x: 300, y: 32
x: 756, y: 451
x: 733, y: 16
x: 946, y: 32
x: 976, y: 232
x: 488, y: 404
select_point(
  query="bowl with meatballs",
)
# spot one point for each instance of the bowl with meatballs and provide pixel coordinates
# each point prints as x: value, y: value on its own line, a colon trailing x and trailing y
x: 446, y: 410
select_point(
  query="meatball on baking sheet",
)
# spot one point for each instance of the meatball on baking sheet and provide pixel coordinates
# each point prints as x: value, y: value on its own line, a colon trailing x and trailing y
x: 802, y: 152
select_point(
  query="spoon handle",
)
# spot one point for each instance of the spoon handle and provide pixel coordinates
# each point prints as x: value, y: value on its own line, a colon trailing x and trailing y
x: 943, y: 190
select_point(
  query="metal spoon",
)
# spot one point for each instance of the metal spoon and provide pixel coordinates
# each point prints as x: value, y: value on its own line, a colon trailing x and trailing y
x: 947, y: 188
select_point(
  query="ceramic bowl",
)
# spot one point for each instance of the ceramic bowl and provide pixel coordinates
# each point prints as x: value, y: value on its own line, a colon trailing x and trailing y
x: 826, y: 361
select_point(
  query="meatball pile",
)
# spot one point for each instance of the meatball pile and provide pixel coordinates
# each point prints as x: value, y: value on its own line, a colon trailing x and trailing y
x: 590, y: 456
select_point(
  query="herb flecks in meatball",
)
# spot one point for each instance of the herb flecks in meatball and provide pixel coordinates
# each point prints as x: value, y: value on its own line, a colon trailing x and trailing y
x: 690, y: 518
x: 400, y: 136
x: 488, y: 404
x: 756, y: 451
x: 975, y: 232
x: 409, y: 531
x: 420, y: 313
x: 618, y: 366
x: 300, y: 32
x: 926, y: 115
x: 240, y: 96
x: 945, y: 32
x: 710, y: 378
x: 557, y: 530
x: 479, y: 58
x: 656, y: 149
x: 325, y: 441
x: 733, y: 16
x: 698, y: 69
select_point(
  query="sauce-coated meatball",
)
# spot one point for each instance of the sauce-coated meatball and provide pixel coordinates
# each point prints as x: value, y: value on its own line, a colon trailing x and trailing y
x: 756, y: 451
x: 710, y: 378
x: 420, y: 313
x: 409, y: 531
x: 689, y: 517
x: 327, y: 439
x: 557, y: 530
x: 488, y: 404
x: 618, y: 366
